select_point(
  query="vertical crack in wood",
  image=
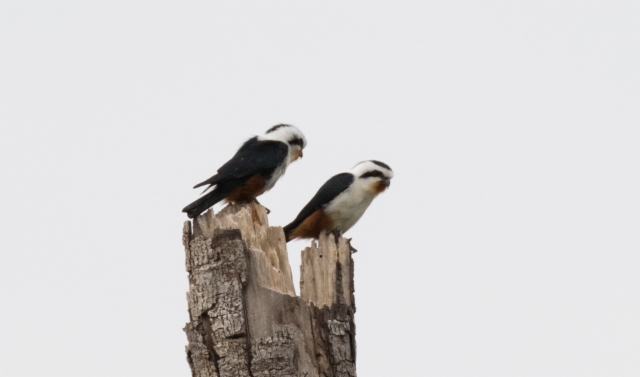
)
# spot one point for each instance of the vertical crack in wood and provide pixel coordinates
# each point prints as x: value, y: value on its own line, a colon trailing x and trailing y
x: 339, y: 297
x: 247, y: 338
x: 204, y: 327
x: 198, y: 355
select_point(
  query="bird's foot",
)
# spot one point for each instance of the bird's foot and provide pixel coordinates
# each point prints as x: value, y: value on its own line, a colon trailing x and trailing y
x: 267, y: 209
x: 351, y: 248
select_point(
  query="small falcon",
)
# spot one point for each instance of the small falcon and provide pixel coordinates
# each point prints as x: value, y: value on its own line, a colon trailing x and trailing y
x: 253, y: 170
x: 341, y: 201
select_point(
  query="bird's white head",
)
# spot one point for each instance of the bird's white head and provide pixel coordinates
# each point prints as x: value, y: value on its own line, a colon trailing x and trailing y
x: 289, y: 135
x: 374, y: 176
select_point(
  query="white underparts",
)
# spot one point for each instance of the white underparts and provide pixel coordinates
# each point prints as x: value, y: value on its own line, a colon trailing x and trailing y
x: 348, y: 207
x: 278, y: 173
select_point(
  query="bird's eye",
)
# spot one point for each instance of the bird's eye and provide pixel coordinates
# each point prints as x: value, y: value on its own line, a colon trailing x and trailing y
x: 373, y: 173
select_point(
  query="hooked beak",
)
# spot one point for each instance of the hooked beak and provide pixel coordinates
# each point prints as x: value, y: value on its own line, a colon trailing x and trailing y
x: 299, y: 154
x: 381, y: 186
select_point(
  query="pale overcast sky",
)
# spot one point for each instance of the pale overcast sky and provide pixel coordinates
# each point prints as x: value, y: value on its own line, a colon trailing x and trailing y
x: 508, y: 243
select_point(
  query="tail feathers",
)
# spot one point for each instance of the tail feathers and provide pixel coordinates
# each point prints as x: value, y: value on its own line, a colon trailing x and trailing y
x: 211, y: 181
x: 196, y: 208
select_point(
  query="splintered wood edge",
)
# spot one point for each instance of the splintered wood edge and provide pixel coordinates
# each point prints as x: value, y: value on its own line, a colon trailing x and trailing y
x: 252, y: 221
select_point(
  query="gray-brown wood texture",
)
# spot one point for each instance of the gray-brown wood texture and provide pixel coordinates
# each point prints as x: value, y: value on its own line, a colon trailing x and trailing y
x: 245, y: 319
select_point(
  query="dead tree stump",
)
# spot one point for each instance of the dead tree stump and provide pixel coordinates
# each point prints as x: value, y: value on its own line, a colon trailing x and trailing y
x: 245, y: 319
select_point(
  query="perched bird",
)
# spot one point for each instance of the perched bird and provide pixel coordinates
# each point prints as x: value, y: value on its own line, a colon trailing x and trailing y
x: 253, y: 170
x: 341, y: 201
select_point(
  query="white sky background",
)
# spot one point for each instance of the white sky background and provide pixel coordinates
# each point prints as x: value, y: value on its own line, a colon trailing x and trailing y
x: 507, y: 245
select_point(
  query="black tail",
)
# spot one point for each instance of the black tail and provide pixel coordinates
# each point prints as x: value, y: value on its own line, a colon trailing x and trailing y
x: 202, y: 204
x: 287, y: 231
x: 211, y: 181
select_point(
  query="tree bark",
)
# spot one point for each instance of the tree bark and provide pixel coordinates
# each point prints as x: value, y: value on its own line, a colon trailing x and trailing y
x: 245, y: 319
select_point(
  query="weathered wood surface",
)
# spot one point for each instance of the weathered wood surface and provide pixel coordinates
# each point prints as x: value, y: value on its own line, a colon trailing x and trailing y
x: 245, y: 319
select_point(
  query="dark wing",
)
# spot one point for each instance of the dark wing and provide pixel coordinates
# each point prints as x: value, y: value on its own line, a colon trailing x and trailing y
x: 253, y: 157
x: 332, y: 188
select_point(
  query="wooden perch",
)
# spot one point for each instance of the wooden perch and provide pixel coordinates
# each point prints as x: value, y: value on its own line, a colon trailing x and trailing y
x: 245, y: 319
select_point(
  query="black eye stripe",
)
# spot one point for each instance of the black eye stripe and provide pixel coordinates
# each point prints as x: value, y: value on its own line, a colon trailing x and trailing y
x: 373, y: 173
x: 296, y: 141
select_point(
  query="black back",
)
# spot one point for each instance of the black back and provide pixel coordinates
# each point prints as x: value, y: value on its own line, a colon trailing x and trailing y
x: 332, y: 188
x: 253, y: 157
